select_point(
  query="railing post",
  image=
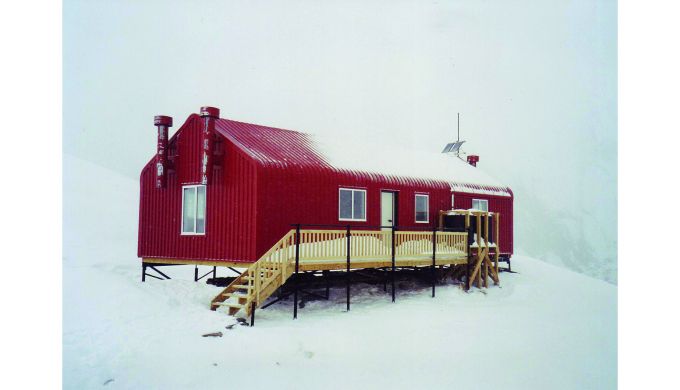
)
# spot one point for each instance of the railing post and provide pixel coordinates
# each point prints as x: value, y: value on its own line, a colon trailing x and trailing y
x: 258, y: 280
x: 393, y: 264
x: 467, y: 264
x: 297, y: 269
x: 349, y: 249
x: 434, y: 254
x: 252, y: 314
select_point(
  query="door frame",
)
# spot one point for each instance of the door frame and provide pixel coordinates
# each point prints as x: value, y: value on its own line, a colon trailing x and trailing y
x: 395, y: 206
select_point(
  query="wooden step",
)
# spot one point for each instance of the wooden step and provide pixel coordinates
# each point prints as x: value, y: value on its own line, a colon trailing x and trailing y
x: 232, y: 305
x: 234, y: 294
x: 242, y: 287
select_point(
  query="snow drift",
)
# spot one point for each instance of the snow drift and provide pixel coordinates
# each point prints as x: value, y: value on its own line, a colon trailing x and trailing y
x: 545, y: 327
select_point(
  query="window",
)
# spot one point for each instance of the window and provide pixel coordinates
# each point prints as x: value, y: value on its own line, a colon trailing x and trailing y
x: 480, y: 204
x: 352, y: 205
x: 193, y: 210
x: 422, y: 208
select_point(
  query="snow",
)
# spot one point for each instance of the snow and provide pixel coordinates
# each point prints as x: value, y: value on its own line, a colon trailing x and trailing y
x: 365, y: 155
x: 544, y: 327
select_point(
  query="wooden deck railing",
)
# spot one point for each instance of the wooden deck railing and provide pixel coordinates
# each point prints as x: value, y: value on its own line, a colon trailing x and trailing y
x: 272, y: 270
x: 377, y: 244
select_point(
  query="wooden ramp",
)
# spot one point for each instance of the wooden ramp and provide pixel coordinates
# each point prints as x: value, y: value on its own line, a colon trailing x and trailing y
x: 324, y: 250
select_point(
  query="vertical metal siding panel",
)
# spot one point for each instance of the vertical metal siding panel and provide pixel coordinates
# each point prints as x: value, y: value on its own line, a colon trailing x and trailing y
x: 229, y: 228
x: 255, y: 196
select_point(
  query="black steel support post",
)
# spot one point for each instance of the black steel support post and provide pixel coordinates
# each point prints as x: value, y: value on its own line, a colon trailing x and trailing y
x: 235, y: 271
x: 197, y: 278
x: 434, y: 254
x: 155, y: 269
x: 394, y: 268
x: 143, y: 272
x: 214, y: 272
x: 297, y: 269
x: 252, y: 314
x: 348, y: 266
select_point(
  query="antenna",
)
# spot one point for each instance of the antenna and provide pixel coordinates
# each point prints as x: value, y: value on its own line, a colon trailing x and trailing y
x: 453, y: 148
x: 458, y: 127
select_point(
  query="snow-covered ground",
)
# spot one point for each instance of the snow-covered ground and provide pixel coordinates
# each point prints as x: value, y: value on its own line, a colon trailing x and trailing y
x: 544, y: 327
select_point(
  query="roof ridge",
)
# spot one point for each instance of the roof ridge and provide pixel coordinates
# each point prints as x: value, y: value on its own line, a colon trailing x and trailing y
x: 264, y: 126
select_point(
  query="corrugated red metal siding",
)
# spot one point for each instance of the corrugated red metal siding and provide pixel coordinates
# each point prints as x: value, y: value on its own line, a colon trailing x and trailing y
x: 289, y: 196
x: 268, y: 179
x: 499, y: 204
x: 230, y: 208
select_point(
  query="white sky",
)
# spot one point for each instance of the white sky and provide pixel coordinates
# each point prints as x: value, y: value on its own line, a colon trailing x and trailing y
x: 534, y: 81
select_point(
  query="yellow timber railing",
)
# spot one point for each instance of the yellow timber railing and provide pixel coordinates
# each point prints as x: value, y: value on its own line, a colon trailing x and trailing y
x: 329, y: 247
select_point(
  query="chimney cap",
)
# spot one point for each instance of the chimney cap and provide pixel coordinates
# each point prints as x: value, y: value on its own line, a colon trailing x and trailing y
x: 212, y: 112
x: 162, y: 120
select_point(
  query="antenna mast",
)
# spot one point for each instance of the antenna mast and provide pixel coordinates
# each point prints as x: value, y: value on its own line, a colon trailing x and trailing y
x: 458, y: 127
x: 453, y: 148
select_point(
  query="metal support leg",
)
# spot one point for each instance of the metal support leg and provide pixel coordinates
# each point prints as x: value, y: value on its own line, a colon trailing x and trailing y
x: 196, y: 274
x: 214, y: 272
x: 143, y: 272
x: 164, y: 275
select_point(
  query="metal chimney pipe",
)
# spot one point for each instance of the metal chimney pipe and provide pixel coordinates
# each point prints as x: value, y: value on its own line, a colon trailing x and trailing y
x: 209, y: 114
x: 473, y: 159
x: 162, y: 122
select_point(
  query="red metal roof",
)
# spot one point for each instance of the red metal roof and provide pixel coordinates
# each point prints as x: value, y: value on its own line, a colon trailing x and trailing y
x: 282, y: 148
x: 272, y: 146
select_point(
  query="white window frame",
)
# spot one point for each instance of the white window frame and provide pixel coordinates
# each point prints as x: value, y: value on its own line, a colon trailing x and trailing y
x: 365, y: 204
x: 485, y: 201
x: 181, y: 226
x: 415, y: 208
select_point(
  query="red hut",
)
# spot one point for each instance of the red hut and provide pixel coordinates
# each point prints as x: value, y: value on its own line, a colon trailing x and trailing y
x: 222, y: 192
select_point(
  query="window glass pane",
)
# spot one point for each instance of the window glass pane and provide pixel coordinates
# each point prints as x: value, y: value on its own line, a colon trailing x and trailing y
x: 421, y: 208
x: 200, y: 210
x: 480, y: 204
x: 189, y: 210
x: 359, y: 205
x: 345, y: 204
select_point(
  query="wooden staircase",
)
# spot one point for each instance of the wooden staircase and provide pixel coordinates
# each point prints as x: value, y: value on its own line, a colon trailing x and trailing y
x: 252, y: 288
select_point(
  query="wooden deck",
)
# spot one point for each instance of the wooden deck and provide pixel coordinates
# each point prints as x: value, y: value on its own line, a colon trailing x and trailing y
x: 330, y: 265
x: 329, y: 250
x: 324, y: 250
